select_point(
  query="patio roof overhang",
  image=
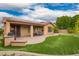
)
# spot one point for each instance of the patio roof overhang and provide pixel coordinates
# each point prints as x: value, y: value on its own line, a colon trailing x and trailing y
x: 23, y: 22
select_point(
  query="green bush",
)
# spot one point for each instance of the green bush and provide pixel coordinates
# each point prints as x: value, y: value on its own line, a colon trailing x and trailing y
x: 70, y: 30
x: 1, y: 31
x: 55, y: 30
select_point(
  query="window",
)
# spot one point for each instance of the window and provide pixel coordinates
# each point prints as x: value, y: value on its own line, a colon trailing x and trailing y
x: 49, y: 29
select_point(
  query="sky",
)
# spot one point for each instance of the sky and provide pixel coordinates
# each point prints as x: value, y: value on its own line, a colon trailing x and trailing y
x: 38, y: 11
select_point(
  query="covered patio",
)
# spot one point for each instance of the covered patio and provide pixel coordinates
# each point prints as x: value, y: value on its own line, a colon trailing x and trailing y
x: 22, y: 29
x: 19, y: 32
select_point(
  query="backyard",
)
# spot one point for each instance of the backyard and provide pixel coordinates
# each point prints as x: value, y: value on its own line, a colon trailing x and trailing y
x: 53, y: 45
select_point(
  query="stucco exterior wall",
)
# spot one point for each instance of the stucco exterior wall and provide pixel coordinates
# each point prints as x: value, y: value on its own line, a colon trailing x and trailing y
x: 49, y: 25
x: 25, y: 31
x: 18, y: 43
x: 31, y: 30
x: 6, y: 28
x: 46, y: 29
x: 7, y: 41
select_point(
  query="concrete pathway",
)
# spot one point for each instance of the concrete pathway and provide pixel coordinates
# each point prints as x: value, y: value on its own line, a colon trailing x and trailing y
x: 19, y: 53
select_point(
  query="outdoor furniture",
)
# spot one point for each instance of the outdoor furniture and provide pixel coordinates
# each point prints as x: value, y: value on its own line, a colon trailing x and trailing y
x: 38, y: 33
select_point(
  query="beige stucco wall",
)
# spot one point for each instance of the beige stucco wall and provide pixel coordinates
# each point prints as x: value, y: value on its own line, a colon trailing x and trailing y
x: 25, y: 31
x: 10, y: 41
x: 49, y: 25
x: 6, y: 28
x: 18, y: 44
x: 31, y: 30
x: 46, y: 29
x: 7, y: 40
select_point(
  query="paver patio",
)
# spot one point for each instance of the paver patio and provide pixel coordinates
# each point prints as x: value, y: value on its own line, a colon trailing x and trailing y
x: 34, y: 40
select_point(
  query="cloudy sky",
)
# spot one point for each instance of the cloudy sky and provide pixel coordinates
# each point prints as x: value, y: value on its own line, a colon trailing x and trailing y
x: 38, y: 11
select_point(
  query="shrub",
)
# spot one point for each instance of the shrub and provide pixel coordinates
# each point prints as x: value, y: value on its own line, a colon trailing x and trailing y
x: 55, y: 29
x: 70, y: 30
x: 1, y: 31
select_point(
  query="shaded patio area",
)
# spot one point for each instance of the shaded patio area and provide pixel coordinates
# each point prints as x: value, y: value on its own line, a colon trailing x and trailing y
x: 32, y: 40
x: 20, y: 33
x: 22, y: 41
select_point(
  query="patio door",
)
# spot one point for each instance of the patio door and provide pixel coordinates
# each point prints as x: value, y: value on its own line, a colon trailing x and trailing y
x: 15, y: 29
x: 18, y: 31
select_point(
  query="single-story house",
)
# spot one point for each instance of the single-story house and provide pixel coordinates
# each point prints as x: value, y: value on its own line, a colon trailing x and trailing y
x: 15, y: 27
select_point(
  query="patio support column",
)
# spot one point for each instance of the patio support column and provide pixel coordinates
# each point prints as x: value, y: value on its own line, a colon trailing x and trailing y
x: 7, y: 28
x: 15, y: 33
x: 31, y: 30
x: 45, y: 30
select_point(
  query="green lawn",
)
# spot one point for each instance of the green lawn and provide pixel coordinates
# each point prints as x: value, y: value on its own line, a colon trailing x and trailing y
x: 54, y: 45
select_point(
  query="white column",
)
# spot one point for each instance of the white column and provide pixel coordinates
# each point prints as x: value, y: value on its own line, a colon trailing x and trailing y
x: 31, y: 30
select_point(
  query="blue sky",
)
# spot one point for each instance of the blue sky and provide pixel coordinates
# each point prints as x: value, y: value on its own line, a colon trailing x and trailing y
x: 63, y: 6
x: 38, y: 11
x: 15, y: 10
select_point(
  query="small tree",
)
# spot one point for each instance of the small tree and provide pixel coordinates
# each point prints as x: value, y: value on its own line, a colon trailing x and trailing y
x: 63, y: 22
x: 74, y: 20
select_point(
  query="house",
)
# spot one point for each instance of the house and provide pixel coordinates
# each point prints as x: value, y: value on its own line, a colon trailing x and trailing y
x: 14, y: 27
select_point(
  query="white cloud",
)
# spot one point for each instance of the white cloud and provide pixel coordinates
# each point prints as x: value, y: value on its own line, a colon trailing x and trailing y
x: 25, y: 17
x: 30, y: 18
x: 21, y: 5
x: 4, y: 14
x: 49, y: 15
x: 41, y: 12
x: 64, y: 13
x: 26, y: 11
